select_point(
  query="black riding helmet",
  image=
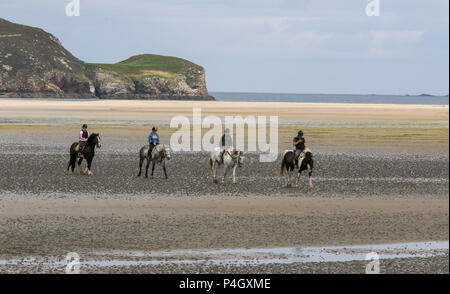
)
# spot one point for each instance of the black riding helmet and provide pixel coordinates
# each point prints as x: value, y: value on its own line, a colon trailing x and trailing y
x: 300, y: 133
x: 84, y: 126
x: 154, y: 129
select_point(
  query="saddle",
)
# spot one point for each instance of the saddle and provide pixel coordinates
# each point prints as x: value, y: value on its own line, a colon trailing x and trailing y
x: 154, y: 149
x: 78, y: 149
x: 301, y: 155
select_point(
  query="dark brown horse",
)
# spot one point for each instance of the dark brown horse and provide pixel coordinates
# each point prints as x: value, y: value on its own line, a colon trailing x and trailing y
x: 288, y: 166
x: 87, y: 153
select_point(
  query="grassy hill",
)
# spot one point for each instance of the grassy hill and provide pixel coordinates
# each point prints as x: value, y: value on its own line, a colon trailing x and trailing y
x: 33, y: 63
x: 151, y: 65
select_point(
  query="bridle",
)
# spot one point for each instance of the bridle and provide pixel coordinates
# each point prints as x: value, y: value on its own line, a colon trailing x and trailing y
x: 238, y: 156
x: 99, y: 145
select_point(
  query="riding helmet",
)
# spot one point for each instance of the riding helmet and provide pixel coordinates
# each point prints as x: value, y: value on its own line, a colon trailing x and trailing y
x: 154, y: 129
x: 84, y: 126
x: 300, y: 133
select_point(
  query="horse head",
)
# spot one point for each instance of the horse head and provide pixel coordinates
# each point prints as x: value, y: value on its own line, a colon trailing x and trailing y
x: 95, y: 137
x: 164, y: 151
x: 167, y: 152
x: 238, y: 156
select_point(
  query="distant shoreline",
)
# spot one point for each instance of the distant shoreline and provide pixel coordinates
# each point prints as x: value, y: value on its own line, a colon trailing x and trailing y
x: 272, y: 98
x: 332, y: 98
x: 138, y: 110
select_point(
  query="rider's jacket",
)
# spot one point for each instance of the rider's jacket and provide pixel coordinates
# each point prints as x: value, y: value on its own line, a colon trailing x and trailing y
x: 84, y: 134
x: 301, y: 145
x: 226, y: 141
x: 153, y: 138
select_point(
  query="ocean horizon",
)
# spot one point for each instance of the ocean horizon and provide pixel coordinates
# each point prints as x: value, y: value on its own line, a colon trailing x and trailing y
x: 331, y: 98
x: 295, y: 98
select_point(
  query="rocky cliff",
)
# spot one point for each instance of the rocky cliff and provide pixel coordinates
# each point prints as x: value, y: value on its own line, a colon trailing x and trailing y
x: 33, y: 63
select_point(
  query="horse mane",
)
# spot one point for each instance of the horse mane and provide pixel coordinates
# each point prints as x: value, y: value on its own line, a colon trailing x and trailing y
x: 92, y: 137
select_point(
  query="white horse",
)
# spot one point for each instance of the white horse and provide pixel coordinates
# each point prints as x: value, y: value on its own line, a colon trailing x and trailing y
x: 160, y: 154
x: 232, y: 158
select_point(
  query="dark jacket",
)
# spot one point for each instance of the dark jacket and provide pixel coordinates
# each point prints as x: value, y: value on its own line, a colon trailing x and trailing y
x: 301, y: 145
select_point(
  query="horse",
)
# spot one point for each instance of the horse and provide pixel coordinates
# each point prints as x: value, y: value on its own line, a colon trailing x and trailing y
x: 288, y: 166
x: 160, y: 154
x: 232, y: 158
x: 88, y: 153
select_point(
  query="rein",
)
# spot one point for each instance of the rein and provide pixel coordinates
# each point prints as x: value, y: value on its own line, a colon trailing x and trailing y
x: 236, y: 157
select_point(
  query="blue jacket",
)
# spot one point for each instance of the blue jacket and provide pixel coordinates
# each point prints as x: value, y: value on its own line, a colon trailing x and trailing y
x: 153, y: 138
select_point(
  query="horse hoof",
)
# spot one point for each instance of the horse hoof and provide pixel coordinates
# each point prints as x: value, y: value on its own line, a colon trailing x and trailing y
x: 296, y: 186
x: 235, y: 183
x: 215, y: 181
x: 312, y: 187
x: 288, y: 185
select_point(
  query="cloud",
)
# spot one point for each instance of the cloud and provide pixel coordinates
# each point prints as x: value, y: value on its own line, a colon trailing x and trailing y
x: 381, y: 37
x: 277, y: 23
x: 393, y: 43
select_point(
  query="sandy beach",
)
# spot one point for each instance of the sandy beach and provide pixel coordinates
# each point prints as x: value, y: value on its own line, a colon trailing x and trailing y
x: 146, y: 110
x: 376, y: 183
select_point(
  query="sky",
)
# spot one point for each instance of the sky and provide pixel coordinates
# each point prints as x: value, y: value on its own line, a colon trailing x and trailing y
x: 277, y: 46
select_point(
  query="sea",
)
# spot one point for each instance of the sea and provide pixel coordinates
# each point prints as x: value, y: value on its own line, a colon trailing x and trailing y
x: 331, y: 98
x: 306, y: 98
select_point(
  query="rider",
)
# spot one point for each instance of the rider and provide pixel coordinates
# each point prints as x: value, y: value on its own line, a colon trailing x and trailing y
x: 226, y: 142
x: 300, y: 145
x: 153, y: 139
x: 84, y: 135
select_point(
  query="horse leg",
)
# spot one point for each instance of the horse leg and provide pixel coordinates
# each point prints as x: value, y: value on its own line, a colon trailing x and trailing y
x: 89, y: 163
x: 289, y: 178
x: 310, y: 177
x: 298, y: 179
x: 146, y: 168
x: 79, y: 166
x: 72, y: 163
x: 140, y: 166
x: 214, y: 170
x: 153, y: 168
x: 234, y: 175
x: 224, y: 174
x: 164, y: 168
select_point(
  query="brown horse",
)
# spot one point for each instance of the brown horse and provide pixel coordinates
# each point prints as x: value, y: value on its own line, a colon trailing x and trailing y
x: 288, y: 166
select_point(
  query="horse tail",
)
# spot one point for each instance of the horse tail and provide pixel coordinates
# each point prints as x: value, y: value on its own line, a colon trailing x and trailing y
x: 142, y: 157
x: 283, y: 165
